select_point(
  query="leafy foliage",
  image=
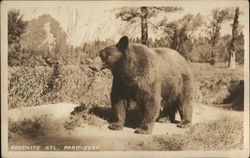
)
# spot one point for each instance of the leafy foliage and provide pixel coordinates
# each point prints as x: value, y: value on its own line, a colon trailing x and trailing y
x: 144, y: 13
x: 132, y: 14
x: 199, y: 49
x: 29, y: 86
x: 16, y: 27
x: 179, y: 33
x: 218, y: 17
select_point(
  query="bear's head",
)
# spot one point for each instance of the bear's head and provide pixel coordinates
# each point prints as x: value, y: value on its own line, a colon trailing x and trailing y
x: 110, y: 55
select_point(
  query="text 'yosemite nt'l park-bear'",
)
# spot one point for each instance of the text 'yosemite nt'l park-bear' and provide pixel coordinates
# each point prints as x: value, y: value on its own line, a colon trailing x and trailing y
x: 158, y: 80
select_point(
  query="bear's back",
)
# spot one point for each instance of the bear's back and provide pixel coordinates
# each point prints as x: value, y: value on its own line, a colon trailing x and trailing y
x: 162, y: 58
x: 171, y: 59
x: 161, y: 52
x: 169, y: 55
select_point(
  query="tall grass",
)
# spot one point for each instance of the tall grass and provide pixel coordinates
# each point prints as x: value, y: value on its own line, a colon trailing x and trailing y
x: 225, y: 133
x: 215, y: 81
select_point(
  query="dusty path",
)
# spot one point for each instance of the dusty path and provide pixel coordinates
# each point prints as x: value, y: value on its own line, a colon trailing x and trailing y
x: 102, y: 137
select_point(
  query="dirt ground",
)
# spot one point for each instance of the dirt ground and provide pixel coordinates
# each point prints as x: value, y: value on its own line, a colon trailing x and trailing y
x: 101, y: 138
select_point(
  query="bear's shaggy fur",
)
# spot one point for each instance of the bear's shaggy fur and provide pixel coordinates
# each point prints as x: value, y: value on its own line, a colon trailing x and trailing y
x: 156, y: 79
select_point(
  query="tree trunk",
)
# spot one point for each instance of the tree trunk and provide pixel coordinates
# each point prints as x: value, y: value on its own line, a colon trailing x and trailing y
x: 215, y: 39
x: 144, y: 25
x: 232, y: 46
x: 232, y: 59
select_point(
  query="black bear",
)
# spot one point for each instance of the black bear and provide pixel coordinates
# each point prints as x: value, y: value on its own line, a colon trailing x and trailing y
x: 157, y: 79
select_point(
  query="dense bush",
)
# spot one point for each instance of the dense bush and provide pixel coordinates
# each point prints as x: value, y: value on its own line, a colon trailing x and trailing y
x: 236, y: 96
x: 29, y: 86
x: 26, y: 85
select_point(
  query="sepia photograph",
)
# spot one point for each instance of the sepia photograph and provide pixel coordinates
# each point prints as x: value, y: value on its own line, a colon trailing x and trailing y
x: 125, y: 78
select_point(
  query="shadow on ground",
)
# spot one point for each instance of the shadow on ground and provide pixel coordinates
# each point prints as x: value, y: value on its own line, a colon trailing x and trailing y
x: 106, y: 113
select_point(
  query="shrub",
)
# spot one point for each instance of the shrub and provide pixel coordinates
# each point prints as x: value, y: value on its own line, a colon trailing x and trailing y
x: 236, y: 96
x: 29, y: 86
x: 26, y: 85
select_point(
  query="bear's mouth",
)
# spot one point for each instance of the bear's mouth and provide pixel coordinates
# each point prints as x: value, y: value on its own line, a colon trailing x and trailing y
x: 93, y: 68
x: 99, y: 69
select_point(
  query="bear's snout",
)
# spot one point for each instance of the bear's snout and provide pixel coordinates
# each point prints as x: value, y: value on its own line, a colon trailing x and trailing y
x: 97, y: 65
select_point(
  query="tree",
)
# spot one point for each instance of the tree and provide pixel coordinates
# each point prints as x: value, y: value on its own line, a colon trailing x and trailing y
x: 144, y: 25
x: 180, y: 33
x: 219, y: 16
x: 239, y: 55
x: 199, y: 54
x: 144, y: 13
x: 232, y: 46
x: 16, y: 26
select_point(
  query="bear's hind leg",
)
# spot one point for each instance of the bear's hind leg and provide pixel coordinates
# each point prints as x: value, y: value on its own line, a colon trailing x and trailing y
x: 185, y: 106
x: 171, y: 114
x: 186, y: 116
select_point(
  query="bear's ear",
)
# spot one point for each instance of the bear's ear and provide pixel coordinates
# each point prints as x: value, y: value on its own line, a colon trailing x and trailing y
x: 122, y: 45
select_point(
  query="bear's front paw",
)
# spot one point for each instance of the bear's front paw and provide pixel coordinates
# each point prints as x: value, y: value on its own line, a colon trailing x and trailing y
x: 115, y: 126
x: 142, y: 131
x: 184, y: 124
